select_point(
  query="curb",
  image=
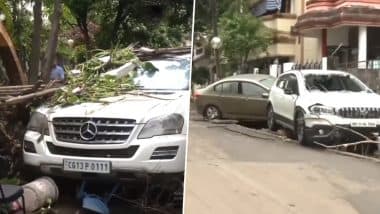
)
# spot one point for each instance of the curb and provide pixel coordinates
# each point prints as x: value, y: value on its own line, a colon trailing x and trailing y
x: 251, y: 133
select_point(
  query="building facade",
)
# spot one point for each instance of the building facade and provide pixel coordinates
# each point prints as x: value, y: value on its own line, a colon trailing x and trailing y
x: 346, y: 31
x: 280, y: 16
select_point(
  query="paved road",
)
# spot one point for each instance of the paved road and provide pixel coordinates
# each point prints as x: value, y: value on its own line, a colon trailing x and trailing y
x: 233, y: 173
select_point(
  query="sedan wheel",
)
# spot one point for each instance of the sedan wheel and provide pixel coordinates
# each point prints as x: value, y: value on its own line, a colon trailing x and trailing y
x: 212, y: 113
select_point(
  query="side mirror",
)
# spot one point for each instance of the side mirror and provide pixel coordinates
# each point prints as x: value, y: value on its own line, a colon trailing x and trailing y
x: 265, y: 95
x: 289, y: 91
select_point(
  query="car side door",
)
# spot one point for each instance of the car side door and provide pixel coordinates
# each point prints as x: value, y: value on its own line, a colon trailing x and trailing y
x: 255, y: 101
x: 276, y: 95
x: 212, y: 96
x: 290, y: 94
x: 230, y: 99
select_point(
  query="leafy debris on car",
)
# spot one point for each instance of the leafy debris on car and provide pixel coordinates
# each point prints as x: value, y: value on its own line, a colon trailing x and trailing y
x: 91, y: 86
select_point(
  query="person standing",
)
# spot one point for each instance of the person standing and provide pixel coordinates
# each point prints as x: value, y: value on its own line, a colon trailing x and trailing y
x: 57, y: 73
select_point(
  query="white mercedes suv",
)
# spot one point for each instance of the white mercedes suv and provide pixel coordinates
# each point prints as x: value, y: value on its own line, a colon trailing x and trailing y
x: 323, y: 106
x: 139, y: 133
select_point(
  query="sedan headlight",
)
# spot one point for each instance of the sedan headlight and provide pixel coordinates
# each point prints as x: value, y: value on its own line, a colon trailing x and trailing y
x: 320, y: 109
x: 39, y: 123
x: 163, y: 125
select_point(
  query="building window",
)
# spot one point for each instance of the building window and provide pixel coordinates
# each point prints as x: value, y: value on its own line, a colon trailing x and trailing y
x: 287, y: 6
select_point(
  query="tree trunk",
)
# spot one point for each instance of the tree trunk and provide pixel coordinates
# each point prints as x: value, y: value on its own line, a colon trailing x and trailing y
x: 82, y: 23
x: 36, y: 42
x: 53, y: 40
x: 120, y: 16
x: 244, y: 63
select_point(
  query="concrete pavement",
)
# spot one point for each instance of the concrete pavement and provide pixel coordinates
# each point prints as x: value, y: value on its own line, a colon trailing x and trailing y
x: 228, y: 172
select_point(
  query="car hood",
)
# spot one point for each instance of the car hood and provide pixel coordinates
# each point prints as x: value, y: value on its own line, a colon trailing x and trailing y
x: 344, y: 99
x: 138, y: 106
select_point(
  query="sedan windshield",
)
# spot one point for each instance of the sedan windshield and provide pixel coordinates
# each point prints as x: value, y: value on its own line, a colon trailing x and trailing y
x: 333, y: 83
x: 268, y: 82
x: 173, y: 74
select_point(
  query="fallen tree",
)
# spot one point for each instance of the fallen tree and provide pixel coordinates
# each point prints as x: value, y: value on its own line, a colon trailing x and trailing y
x: 17, y: 101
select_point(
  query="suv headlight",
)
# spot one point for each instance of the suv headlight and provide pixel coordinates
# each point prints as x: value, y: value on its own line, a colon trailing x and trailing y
x: 163, y: 125
x: 39, y: 123
x: 320, y: 109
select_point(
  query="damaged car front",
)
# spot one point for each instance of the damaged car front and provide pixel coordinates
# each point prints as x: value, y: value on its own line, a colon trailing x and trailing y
x: 141, y: 132
x: 339, y: 108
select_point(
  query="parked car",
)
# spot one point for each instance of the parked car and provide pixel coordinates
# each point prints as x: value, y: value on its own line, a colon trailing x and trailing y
x: 240, y: 97
x: 323, y: 106
x: 137, y: 134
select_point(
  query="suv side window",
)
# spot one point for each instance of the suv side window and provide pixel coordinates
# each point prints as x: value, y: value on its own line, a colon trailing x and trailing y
x: 292, y: 83
x: 250, y: 89
x: 282, y: 82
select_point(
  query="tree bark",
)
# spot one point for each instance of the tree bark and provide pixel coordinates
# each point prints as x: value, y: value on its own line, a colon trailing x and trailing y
x: 53, y: 40
x: 245, y: 63
x: 120, y: 16
x: 36, y: 42
x: 82, y: 23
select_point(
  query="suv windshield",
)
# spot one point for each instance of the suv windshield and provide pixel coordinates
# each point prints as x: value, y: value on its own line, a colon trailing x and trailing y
x: 332, y: 83
x: 173, y: 74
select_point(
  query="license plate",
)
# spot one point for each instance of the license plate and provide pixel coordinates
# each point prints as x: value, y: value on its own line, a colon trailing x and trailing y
x: 363, y: 124
x: 103, y: 167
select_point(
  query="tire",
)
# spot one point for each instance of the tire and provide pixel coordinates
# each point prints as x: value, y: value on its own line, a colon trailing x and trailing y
x: 212, y: 112
x: 271, y: 122
x: 302, y: 137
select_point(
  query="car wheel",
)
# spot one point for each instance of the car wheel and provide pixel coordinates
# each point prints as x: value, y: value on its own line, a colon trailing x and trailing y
x: 302, y: 137
x: 212, y: 113
x: 271, y: 122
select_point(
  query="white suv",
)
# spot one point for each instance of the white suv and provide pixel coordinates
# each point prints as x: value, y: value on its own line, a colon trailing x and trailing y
x: 139, y: 133
x: 323, y: 106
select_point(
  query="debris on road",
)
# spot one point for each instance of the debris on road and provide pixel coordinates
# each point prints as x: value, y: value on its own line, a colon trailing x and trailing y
x: 39, y: 193
x: 93, y: 202
x: 358, y: 143
x: 217, y: 121
x: 15, y: 105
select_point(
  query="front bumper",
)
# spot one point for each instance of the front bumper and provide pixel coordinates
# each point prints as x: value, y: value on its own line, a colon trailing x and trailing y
x: 137, y: 164
x: 334, y: 130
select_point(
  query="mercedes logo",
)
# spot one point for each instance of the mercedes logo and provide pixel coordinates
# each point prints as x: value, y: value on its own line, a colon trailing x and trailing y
x: 88, y: 131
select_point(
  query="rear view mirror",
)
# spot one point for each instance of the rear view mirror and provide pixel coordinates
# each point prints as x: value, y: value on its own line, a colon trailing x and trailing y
x: 265, y: 95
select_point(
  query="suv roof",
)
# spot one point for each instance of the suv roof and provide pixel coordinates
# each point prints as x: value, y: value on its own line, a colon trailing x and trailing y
x: 314, y: 71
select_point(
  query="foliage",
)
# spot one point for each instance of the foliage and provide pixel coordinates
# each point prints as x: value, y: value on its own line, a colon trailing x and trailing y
x: 161, y: 23
x: 243, y: 35
x: 21, y: 27
x: 200, y: 75
x: 164, y: 36
x: 152, y: 23
x: 91, y: 85
x: 6, y: 9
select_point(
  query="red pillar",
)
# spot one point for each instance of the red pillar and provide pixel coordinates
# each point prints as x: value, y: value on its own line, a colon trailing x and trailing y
x: 324, y: 43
